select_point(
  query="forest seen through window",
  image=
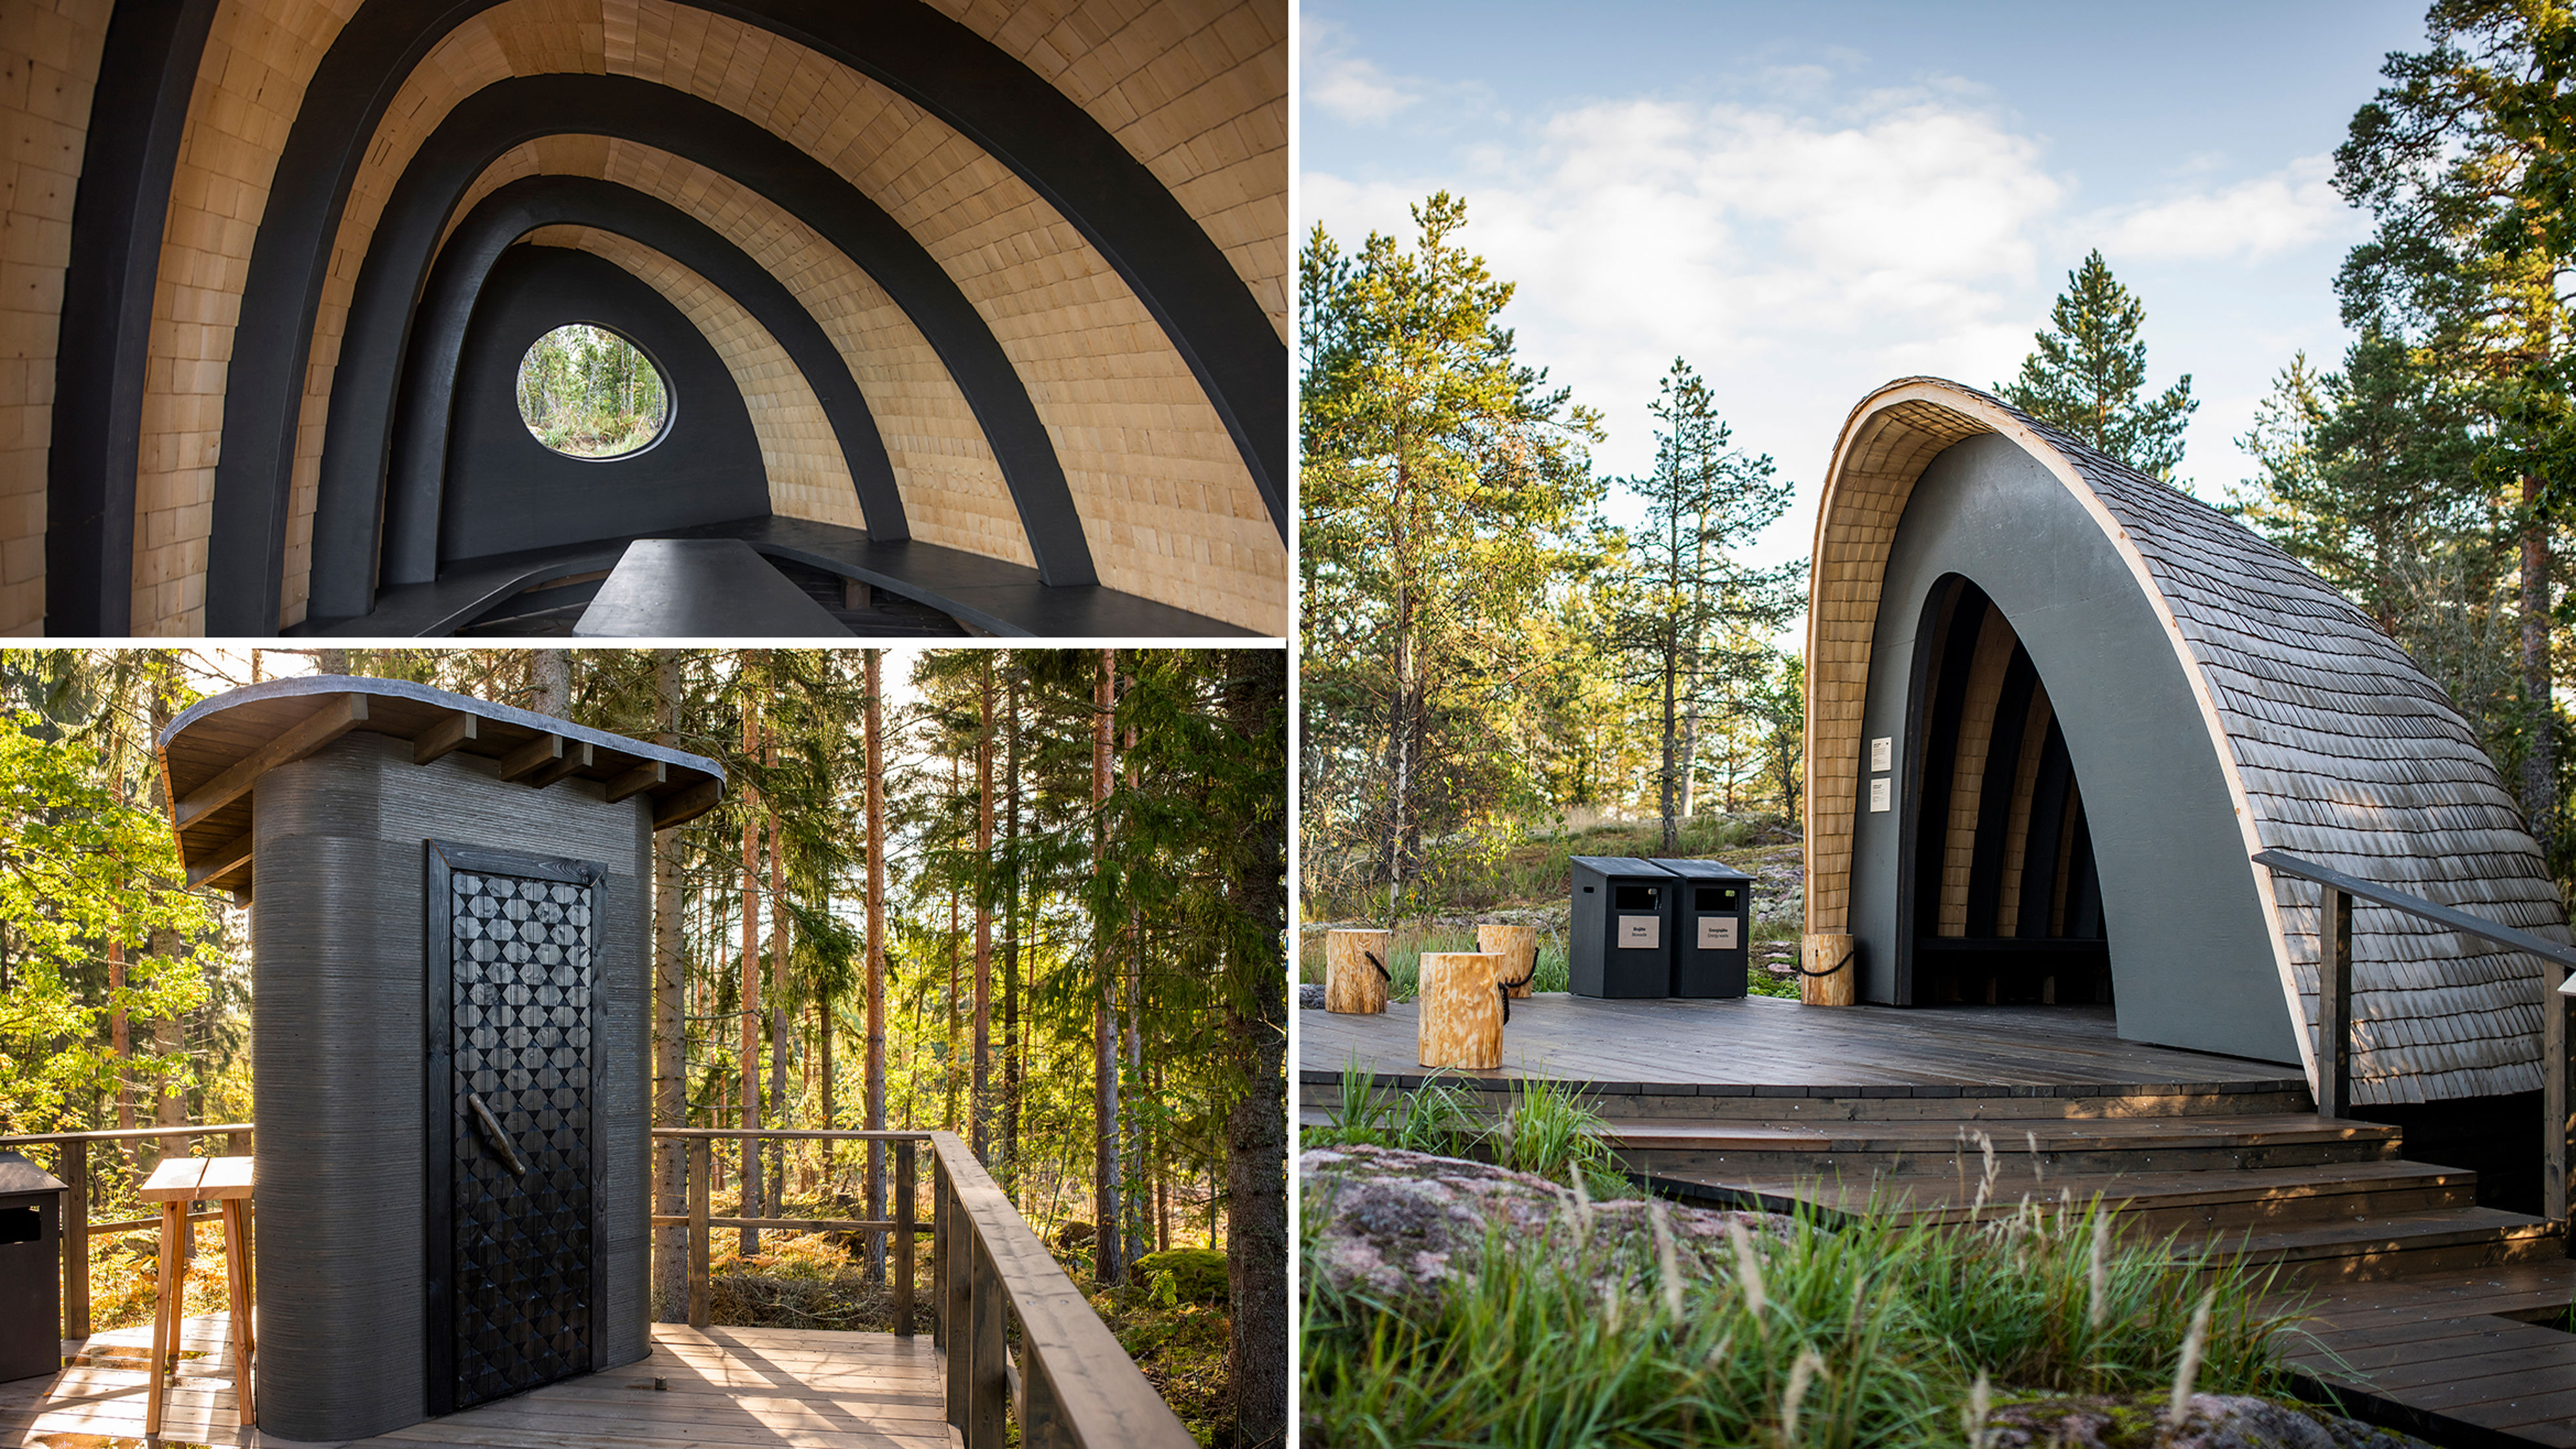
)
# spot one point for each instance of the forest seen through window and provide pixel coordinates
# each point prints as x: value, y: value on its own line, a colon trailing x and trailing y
x: 588, y: 392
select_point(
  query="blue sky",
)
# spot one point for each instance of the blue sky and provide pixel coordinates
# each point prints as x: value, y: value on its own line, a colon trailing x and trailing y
x: 1805, y: 201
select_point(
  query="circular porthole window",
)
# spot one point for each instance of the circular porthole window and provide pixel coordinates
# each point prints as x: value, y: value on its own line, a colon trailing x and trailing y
x: 586, y: 392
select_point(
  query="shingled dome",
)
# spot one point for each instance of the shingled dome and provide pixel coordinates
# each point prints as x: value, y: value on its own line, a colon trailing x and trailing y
x: 2088, y: 700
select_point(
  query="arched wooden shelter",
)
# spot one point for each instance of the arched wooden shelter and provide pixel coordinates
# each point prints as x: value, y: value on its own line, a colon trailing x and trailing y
x: 985, y: 304
x: 2055, y: 707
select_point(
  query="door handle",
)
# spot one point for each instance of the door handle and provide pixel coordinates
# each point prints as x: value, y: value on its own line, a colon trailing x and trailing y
x: 494, y: 1137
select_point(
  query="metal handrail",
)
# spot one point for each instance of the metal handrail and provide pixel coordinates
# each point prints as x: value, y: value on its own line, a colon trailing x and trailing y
x: 2334, y: 1001
x: 1075, y: 1388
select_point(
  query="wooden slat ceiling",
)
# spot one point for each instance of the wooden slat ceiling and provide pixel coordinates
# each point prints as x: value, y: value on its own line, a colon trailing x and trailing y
x: 213, y: 754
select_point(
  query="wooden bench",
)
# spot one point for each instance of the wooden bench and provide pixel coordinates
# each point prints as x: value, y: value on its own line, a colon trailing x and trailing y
x: 177, y: 1182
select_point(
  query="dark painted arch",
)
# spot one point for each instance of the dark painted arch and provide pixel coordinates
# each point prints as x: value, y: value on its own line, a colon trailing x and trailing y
x: 146, y: 73
x: 251, y: 484
x: 391, y: 400
x: 512, y: 493
x: 1174, y: 267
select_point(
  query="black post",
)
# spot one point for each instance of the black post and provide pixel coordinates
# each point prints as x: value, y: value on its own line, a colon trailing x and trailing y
x: 2334, y: 1002
x: 2553, y: 1091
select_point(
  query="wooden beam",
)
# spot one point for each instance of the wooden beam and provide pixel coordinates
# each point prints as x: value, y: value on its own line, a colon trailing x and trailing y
x: 688, y: 804
x: 541, y: 751
x: 339, y: 714
x: 443, y: 737
x: 2553, y: 1093
x: 576, y: 758
x: 643, y: 777
x: 228, y: 859
x: 2334, y: 1002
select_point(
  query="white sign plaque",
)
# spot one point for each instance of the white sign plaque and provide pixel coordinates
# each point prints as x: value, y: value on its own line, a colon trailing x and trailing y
x: 1882, y: 753
x: 1717, y: 933
x: 1880, y: 795
x: 1641, y: 933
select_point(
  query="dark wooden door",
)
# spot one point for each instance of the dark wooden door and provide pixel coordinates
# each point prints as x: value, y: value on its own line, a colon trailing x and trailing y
x: 513, y: 1214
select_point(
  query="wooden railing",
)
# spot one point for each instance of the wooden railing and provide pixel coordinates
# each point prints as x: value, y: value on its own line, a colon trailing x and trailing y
x: 2334, y: 1002
x: 1072, y: 1385
x: 72, y: 1166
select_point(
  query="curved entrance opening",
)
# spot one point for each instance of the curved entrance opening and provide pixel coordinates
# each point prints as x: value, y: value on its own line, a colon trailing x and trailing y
x: 2003, y: 902
x: 586, y: 392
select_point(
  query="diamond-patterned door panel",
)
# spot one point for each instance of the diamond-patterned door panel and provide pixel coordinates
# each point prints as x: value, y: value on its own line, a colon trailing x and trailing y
x: 520, y: 1028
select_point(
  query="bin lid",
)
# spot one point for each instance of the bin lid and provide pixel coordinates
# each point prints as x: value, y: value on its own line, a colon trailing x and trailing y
x: 18, y: 1175
x: 1619, y: 865
x: 1704, y: 870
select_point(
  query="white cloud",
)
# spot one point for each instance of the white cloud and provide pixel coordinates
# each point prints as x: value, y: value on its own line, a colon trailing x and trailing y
x: 1349, y: 86
x: 2251, y: 219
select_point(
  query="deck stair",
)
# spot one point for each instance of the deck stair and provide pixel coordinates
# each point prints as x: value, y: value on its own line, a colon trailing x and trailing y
x: 2326, y: 1199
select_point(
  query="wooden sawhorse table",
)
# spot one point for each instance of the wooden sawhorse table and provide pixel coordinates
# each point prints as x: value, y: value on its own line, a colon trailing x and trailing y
x: 177, y: 1182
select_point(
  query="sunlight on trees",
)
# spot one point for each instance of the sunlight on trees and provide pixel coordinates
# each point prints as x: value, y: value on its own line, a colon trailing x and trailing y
x: 588, y: 392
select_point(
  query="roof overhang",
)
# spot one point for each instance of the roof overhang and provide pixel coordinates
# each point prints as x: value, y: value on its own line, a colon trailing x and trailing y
x: 213, y: 754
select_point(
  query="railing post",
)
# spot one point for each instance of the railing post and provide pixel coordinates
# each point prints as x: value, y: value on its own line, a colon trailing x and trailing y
x: 956, y: 1247
x: 938, y: 1253
x: 2334, y: 1002
x: 903, y: 1219
x: 701, y: 1292
x: 75, y: 1226
x: 989, y: 1377
x: 2553, y: 1093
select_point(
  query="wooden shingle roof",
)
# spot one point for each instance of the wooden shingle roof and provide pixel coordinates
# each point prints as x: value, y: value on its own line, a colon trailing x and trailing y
x: 2339, y: 748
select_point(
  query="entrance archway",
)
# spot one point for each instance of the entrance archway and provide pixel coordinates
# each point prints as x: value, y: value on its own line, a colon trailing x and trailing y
x: 2001, y: 887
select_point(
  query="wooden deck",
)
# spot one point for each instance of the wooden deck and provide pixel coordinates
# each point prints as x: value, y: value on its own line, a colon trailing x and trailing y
x: 1765, y: 1046
x: 2457, y: 1357
x: 728, y: 1388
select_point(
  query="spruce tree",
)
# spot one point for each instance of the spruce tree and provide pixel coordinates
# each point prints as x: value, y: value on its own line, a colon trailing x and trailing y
x: 2085, y: 375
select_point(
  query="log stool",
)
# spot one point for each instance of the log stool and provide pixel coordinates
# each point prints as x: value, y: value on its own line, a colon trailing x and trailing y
x: 1828, y: 970
x: 1355, y: 974
x: 177, y: 1182
x: 1461, y: 1023
x: 1518, y: 946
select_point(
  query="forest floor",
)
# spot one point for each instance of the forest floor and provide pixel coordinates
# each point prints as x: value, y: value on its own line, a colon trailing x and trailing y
x: 810, y: 1280
x: 1531, y: 885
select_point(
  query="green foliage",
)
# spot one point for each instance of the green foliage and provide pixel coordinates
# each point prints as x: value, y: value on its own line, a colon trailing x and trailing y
x: 1445, y: 487
x: 2086, y: 373
x: 1894, y: 1322
x: 81, y: 866
x: 1550, y: 1132
x: 586, y: 391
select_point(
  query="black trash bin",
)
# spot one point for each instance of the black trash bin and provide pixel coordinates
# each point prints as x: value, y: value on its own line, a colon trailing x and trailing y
x: 1622, y: 938
x: 1713, y: 927
x: 31, y: 1269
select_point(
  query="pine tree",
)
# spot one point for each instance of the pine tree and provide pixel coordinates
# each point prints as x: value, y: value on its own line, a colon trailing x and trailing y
x: 2085, y: 375
x: 1692, y: 621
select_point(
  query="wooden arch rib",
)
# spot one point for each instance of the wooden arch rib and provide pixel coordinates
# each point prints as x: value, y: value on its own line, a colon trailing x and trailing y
x: 807, y: 477
x: 1888, y: 440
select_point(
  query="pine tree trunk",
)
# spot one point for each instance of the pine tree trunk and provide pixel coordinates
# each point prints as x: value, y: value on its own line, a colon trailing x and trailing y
x: 876, y: 970
x: 670, y: 1022
x: 749, y: 1065
x: 553, y: 671
x: 2540, y: 756
x: 1108, y: 1265
x: 983, y: 1105
x: 1011, y: 1064
x: 1672, y: 745
x: 777, y: 1007
x: 1257, y: 1126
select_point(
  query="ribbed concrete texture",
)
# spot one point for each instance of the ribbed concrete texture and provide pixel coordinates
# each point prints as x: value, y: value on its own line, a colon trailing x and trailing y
x: 339, y: 1023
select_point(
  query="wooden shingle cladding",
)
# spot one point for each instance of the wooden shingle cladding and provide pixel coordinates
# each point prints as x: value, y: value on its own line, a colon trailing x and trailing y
x: 2334, y: 745
x: 1194, y: 91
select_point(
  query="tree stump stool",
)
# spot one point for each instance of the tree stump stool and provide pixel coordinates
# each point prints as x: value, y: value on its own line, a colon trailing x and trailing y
x: 1461, y: 1023
x: 1518, y: 946
x: 177, y: 1182
x: 1828, y: 970
x: 1355, y: 974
